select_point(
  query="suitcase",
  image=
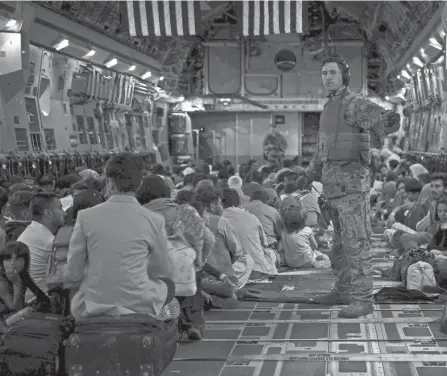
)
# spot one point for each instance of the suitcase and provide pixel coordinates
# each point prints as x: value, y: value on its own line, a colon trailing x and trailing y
x: 34, y: 346
x: 131, y: 345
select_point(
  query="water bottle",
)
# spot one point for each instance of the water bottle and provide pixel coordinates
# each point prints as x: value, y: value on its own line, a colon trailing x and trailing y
x: 444, y: 319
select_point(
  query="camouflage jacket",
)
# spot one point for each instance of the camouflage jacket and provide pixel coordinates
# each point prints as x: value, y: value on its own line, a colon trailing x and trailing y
x: 341, y: 178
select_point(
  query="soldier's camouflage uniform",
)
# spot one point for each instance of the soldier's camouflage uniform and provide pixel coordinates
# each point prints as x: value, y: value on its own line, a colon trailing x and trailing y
x: 349, y: 126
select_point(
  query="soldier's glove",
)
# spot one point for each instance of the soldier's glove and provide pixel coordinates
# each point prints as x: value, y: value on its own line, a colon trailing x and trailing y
x: 390, y: 120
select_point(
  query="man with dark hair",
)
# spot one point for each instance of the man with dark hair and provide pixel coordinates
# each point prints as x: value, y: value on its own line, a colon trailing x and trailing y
x: 227, y: 250
x: 252, y: 165
x: 158, y: 169
x: 406, y: 215
x: 204, y: 168
x: 290, y: 177
x: 47, y: 217
x: 19, y: 206
x: 197, y: 178
x: 223, y: 174
x: 268, y: 216
x: 349, y: 126
x: 254, y: 182
x: 438, y: 188
x: 250, y: 233
x: 46, y: 182
x: 124, y: 243
x: 188, y: 181
x: 426, y: 227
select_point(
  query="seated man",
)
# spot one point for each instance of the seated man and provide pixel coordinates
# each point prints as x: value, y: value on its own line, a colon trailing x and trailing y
x: 218, y: 277
x: 404, y: 218
x: 426, y: 228
x: 253, y: 183
x: 268, y: 216
x: 309, y: 201
x: 47, y: 218
x: 251, y: 236
x: 19, y: 203
x: 118, y: 254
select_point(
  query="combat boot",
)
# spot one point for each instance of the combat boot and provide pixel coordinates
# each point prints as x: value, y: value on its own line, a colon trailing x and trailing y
x: 333, y: 298
x: 356, y: 309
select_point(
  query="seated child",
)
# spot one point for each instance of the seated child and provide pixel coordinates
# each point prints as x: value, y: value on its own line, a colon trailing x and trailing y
x: 385, y: 202
x: 298, y: 242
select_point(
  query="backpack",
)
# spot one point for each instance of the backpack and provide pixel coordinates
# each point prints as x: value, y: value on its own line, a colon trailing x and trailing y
x: 419, y: 275
x: 399, y: 270
x: 58, y: 258
x: 34, y: 346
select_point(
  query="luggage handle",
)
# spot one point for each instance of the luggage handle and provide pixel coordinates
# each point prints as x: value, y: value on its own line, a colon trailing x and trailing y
x: 137, y: 319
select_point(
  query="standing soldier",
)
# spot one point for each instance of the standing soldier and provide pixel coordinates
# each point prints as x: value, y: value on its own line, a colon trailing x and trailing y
x: 349, y: 126
x: 275, y: 147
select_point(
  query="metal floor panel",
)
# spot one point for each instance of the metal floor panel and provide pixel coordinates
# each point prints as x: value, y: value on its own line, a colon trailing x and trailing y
x: 285, y: 339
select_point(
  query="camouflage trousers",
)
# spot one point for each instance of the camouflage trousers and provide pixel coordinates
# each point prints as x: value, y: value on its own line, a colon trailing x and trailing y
x: 350, y: 254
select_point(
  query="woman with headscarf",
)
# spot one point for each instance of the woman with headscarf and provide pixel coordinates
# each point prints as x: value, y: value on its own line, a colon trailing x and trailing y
x: 184, y: 221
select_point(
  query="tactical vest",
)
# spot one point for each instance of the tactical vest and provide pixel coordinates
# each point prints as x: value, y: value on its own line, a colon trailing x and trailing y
x: 337, y: 140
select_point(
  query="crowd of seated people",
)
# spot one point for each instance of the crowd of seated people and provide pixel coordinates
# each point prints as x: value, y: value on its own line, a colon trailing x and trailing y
x: 124, y: 216
x: 242, y: 228
x: 410, y: 206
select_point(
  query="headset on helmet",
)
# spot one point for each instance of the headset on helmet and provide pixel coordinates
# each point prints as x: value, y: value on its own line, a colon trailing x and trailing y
x: 342, y: 64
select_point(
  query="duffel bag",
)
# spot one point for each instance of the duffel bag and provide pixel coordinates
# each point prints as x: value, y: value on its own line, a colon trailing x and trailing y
x: 34, y: 346
x: 130, y: 345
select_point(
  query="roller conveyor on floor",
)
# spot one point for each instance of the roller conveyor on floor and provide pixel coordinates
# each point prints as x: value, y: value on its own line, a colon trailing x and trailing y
x: 301, y: 339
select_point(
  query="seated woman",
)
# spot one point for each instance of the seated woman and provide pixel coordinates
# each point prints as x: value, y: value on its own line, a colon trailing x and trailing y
x: 438, y: 245
x: 155, y: 195
x: 298, y: 242
x: 14, y: 258
x: 251, y: 236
